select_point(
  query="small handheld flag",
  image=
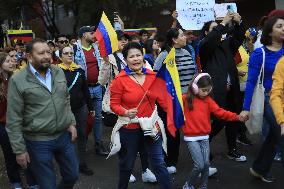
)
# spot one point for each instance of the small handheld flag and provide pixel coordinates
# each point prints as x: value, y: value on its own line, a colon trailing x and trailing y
x: 106, y: 36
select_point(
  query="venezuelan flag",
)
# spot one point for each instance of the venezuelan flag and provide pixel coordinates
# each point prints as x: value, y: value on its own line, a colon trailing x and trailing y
x: 106, y: 36
x: 167, y: 79
x: 23, y: 35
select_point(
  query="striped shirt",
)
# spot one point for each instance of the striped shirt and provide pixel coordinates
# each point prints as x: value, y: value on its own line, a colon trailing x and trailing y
x: 185, y: 66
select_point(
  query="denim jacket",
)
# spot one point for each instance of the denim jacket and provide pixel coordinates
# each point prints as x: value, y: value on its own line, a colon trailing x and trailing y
x: 79, y: 56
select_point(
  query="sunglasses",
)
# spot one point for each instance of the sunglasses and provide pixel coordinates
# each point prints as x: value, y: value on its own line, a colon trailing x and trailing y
x: 68, y: 53
x: 63, y: 41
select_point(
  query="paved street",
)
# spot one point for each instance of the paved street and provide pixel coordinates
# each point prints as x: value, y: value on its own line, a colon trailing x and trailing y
x: 231, y: 175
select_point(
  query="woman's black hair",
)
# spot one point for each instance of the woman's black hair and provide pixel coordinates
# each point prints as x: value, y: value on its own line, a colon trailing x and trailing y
x: 266, y: 39
x: 204, y: 81
x: 149, y: 46
x: 131, y: 45
x: 205, y: 28
x: 171, y: 33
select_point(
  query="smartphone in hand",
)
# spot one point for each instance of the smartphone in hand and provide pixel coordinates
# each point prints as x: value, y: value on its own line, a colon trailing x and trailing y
x: 230, y: 8
x: 116, y: 24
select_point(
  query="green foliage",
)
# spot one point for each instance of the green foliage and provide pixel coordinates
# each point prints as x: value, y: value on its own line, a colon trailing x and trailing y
x: 86, y: 12
x: 10, y: 9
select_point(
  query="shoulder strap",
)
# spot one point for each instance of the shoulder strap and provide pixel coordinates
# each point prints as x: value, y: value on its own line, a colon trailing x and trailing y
x: 74, y: 81
x: 118, y: 62
x: 261, y: 74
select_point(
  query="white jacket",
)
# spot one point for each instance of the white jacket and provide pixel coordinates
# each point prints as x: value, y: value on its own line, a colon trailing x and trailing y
x: 144, y: 123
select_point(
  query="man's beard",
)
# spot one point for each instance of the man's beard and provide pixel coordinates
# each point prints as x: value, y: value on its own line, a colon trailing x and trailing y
x: 43, y: 68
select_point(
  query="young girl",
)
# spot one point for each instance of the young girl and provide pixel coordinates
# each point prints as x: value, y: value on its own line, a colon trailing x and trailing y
x: 198, y: 106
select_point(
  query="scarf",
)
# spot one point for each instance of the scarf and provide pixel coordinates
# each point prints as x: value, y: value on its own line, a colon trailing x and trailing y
x: 131, y: 72
x: 71, y: 68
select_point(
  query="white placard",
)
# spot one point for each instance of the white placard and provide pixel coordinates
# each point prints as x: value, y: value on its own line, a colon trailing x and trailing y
x: 222, y: 9
x: 192, y: 14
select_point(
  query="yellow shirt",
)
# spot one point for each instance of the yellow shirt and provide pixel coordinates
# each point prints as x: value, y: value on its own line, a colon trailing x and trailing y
x: 277, y: 92
x: 243, y: 66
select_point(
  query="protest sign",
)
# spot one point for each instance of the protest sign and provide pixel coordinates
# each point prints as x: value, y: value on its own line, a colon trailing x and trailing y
x: 192, y: 14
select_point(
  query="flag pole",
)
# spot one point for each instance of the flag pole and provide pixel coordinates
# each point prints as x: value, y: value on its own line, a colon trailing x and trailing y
x: 142, y: 99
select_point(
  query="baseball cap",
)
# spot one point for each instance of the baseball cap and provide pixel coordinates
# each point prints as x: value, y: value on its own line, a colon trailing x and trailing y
x: 120, y: 34
x: 85, y: 29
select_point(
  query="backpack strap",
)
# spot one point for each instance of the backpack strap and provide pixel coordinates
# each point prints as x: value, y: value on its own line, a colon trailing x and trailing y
x: 74, y: 81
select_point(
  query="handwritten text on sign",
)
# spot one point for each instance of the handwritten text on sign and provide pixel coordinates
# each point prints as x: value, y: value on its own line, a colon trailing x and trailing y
x: 192, y: 14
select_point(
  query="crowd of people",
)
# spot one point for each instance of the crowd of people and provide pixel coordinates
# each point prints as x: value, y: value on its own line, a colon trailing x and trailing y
x: 49, y: 90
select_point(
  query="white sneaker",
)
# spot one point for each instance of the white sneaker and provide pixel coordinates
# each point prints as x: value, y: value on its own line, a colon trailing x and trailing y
x: 212, y: 171
x: 172, y: 169
x: 148, y: 176
x: 132, y: 179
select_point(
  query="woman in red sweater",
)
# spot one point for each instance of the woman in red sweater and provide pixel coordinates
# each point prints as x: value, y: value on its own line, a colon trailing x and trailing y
x: 131, y: 97
x: 6, y: 69
x: 198, y: 106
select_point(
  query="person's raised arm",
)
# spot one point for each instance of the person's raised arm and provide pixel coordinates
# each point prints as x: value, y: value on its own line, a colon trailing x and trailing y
x: 175, y: 21
x: 238, y: 33
x: 213, y: 38
x: 119, y: 20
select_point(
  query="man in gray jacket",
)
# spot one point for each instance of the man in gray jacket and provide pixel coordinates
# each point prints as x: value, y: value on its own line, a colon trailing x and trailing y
x: 40, y: 123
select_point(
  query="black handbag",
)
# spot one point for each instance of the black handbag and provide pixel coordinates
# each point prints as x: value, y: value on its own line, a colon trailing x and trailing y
x: 109, y: 119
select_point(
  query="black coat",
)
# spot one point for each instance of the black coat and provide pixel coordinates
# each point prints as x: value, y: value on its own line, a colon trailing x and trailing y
x: 79, y: 93
x: 217, y: 59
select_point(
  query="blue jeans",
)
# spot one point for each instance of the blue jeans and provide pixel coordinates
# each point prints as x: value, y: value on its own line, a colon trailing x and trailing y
x: 12, y: 167
x: 265, y: 131
x: 96, y: 95
x: 199, y: 151
x: 42, y: 154
x: 264, y: 160
x: 131, y: 141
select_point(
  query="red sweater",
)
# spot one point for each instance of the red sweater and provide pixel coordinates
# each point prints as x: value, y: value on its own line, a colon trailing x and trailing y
x: 92, y: 66
x: 126, y: 94
x: 198, y: 121
x: 3, y: 105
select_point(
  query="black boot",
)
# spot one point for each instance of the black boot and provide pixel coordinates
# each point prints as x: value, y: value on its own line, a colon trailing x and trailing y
x: 100, y: 149
x: 85, y: 170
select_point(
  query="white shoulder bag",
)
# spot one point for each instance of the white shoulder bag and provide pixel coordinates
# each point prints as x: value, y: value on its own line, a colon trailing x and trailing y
x: 254, y: 124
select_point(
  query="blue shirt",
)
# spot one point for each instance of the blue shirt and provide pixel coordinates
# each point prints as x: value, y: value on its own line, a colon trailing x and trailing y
x: 254, y: 67
x: 45, y: 81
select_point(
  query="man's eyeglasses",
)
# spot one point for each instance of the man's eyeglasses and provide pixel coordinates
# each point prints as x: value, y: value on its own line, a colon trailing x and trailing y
x: 63, y: 41
x: 68, y: 53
